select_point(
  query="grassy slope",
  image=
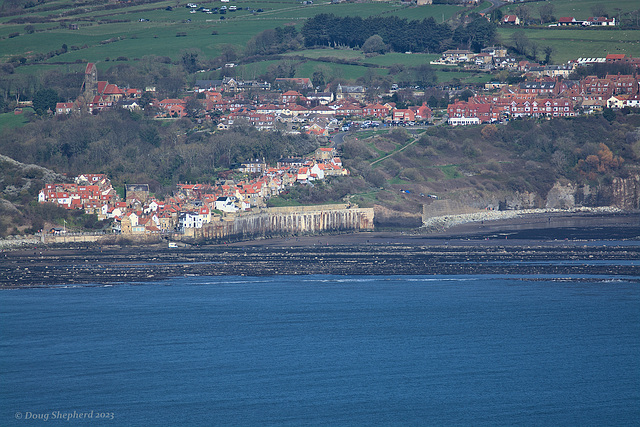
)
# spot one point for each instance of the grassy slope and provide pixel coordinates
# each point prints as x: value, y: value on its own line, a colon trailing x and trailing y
x: 579, y: 9
x: 570, y: 43
x: 158, y: 35
x: 11, y: 120
x: 580, y: 42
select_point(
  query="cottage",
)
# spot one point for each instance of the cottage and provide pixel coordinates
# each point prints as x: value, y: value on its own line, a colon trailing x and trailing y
x: 511, y: 20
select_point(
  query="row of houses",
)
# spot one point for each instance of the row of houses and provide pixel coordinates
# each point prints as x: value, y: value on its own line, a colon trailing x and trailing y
x: 485, y: 109
x: 89, y: 192
x: 570, y: 21
x: 548, y: 97
x: 565, y: 21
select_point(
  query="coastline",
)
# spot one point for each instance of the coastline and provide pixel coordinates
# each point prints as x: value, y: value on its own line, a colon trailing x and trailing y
x: 525, y: 244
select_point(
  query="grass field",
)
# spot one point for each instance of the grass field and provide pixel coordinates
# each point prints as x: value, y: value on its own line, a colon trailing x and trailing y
x: 579, y: 9
x: 158, y: 34
x: 572, y: 43
x: 11, y: 120
x: 107, y: 34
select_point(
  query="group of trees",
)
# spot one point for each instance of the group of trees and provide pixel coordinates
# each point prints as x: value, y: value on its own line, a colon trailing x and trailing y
x: 131, y: 148
x: 274, y: 41
x: 475, y: 35
x: 398, y: 34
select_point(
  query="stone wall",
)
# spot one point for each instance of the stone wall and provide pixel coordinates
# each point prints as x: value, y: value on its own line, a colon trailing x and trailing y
x: 288, y: 221
x: 442, y: 207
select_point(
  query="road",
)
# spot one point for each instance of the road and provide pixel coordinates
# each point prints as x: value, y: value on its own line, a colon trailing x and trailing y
x: 494, y: 5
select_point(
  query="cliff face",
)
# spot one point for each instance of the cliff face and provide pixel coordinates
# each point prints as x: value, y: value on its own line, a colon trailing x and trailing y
x: 622, y: 193
x: 626, y: 192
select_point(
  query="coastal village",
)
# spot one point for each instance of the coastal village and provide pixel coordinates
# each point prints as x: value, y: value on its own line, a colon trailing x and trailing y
x: 193, y: 205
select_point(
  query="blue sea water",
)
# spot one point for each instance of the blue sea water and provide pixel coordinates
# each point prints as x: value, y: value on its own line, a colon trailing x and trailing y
x: 324, y: 350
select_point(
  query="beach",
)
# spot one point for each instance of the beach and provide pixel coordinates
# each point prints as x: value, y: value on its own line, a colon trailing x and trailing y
x: 491, y: 247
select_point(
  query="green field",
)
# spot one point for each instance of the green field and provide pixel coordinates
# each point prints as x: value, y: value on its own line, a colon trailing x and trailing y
x: 158, y: 34
x: 570, y: 43
x: 11, y: 120
x: 579, y: 9
x: 109, y: 34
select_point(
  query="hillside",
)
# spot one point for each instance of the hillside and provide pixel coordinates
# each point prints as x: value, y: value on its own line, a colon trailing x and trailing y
x: 165, y: 46
x: 492, y: 166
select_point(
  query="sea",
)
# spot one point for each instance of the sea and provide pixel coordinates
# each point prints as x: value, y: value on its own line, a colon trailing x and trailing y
x: 499, y: 350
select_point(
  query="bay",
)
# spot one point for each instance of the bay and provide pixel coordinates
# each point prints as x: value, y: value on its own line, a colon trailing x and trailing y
x: 325, y: 350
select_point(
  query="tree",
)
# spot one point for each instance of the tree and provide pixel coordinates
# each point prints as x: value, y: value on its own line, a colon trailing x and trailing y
x: 496, y: 15
x: 609, y: 114
x: 425, y: 75
x: 524, y: 13
x: 318, y: 79
x: 520, y: 41
x: 193, y: 107
x: 534, y: 51
x: 548, y: 51
x: 599, y: 10
x: 45, y: 99
x: 190, y: 62
x: 374, y: 44
x: 262, y: 43
x: 546, y: 13
x: 465, y: 95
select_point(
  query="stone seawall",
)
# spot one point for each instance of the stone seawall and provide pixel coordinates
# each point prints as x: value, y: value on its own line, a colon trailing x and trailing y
x: 289, y: 221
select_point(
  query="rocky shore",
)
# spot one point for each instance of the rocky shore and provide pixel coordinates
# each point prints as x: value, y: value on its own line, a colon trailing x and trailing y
x: 496, y: 247
x: 439, y: 223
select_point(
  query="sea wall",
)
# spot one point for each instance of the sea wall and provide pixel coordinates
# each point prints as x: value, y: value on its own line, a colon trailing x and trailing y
x: 288, y: 221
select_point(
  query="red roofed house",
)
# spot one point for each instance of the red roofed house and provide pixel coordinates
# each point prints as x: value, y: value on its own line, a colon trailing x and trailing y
x: 291, y: 96
x: 325, y: 153
x: 601, y: 20
x: 64, y: 108
x: 568, y: 20
x: 511, y: 19
x: 375, y: 110
x: 406, y: 115
x: 615, y: 57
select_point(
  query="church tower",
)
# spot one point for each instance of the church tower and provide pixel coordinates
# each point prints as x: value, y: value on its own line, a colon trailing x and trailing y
x: 90, y: 81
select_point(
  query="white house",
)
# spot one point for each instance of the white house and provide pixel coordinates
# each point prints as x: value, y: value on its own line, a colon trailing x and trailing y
x: 225, y: 204
x: 189, y: 220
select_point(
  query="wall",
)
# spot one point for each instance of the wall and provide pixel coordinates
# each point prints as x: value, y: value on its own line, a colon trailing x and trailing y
x: 287, y: 221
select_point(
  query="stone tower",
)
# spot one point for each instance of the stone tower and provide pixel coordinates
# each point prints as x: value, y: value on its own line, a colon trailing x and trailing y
x: 90, y: 81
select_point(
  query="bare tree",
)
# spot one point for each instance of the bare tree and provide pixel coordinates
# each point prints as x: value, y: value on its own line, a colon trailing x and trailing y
x: 548, y: 51
x: 524, y: 13
x: 599, y: 10
x: 520, y: 41
x: 534, y: 51
x: 546, y: 13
